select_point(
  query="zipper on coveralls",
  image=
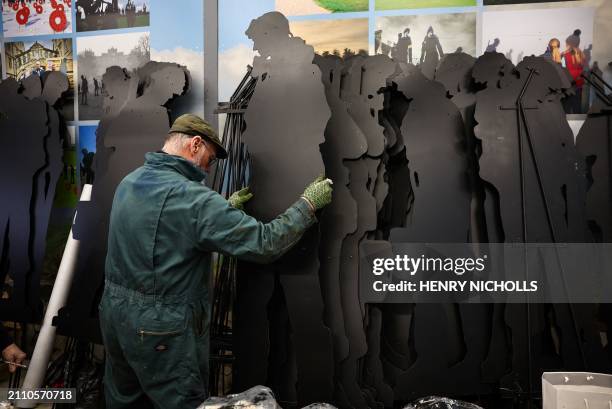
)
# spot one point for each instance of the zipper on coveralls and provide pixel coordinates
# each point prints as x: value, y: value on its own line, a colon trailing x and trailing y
x: 142, y: 333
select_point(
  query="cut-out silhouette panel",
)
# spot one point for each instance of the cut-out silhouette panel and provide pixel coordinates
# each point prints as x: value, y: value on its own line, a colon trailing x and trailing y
x: 136, y: 122
x: 31, y: 144
x: 285, y: 158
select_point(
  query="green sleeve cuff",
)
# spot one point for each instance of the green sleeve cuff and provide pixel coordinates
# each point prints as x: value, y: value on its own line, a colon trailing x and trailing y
x: 306, y: 211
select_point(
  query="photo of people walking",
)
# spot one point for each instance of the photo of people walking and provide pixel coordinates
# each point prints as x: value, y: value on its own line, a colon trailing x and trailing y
x: 94, y: 15
x: 563, y: 35
x: 96, y: 54
x: 424, y: 39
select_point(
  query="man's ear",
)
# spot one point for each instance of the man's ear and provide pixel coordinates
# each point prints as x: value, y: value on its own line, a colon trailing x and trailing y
x: 196, y: 143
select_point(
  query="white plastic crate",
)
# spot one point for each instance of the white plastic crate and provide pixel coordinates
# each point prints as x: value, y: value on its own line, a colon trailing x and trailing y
x: 576, y: 390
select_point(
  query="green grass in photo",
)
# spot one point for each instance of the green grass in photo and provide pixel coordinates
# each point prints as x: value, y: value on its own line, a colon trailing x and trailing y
x: 140, y: 21
x: 343, y: 5
x: 418, y: 4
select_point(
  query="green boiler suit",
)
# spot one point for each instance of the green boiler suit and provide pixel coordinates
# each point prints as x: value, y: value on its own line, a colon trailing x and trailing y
x: 155, y: 309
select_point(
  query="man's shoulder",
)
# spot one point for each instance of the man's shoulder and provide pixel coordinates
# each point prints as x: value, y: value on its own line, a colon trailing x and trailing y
x: 155, y: 173
x: 193, y: 188
x: 194, y: 196
x: 133, y: 174
x: 170, y: 179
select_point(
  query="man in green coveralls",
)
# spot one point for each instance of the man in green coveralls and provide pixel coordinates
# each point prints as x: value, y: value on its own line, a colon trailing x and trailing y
x: 164, y: 225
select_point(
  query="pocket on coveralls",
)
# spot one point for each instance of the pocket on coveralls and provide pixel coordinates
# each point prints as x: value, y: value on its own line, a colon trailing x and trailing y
x: 168, y: 365
x: 160, y: 331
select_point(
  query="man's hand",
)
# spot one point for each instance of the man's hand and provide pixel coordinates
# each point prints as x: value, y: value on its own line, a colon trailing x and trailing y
x: 319, y: 193
x: 12, y: 353
x: 239, y: 198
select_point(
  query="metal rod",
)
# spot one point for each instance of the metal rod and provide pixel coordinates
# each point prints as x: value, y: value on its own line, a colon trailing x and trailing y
x: 230, y: 110
x: 603, y: 81
x: 544, y: 196
x: 524, y: 222
x: 14, y: 364
x: 599, y: 90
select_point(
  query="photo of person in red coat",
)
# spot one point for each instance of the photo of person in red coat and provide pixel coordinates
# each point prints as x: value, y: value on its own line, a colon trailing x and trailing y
x: 574, y: 60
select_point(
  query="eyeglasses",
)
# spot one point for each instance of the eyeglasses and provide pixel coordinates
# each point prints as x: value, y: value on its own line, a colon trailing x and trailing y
x: 214, y: 158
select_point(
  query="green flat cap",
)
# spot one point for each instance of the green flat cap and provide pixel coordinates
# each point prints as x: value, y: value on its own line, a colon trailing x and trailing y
x: 193, y: 125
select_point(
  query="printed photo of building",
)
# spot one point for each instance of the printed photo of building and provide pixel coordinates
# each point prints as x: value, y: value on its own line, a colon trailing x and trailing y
x: 23, y: 59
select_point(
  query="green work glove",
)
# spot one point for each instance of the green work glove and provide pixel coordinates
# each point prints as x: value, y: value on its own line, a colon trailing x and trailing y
x: 239, y: 198
x: 319, y: 193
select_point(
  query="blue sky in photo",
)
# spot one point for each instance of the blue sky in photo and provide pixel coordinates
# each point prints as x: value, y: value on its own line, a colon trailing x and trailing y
x: 87, y: 138
x: 177, y: 24
x: 235, y: 17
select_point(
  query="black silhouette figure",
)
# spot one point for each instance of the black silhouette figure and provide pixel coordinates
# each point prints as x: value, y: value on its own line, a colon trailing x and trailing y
x: 402, y: 52
x: 31, y: 147
x: 546, y: 205
x: 284, y: 159
x: 87, y: 166
x: 492, y: 47
x: 431, y: 52
x: 364, y: 79
x: 593, y: 142
x: 136, y: 122
x: 432, y: 128
x: 343, y: 141
x: 377, y: 41
x: 84, y: 90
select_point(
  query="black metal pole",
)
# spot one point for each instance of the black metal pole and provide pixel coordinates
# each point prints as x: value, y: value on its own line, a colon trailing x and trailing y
x: 550, y: 222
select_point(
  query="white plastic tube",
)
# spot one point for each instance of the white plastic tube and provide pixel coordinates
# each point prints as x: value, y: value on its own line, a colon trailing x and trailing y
x: 46, y: 339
